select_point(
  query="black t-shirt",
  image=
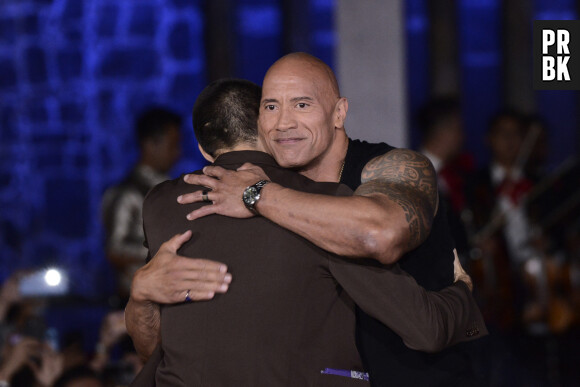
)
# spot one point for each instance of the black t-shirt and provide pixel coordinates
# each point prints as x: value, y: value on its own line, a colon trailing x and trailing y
x: 388, y: 360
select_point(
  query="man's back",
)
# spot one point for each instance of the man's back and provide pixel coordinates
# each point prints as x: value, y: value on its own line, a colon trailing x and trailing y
x: 284, y: 318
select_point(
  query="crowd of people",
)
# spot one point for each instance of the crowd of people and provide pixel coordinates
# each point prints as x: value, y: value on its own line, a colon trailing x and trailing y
x: 35, y: 354
x: 515, y: 222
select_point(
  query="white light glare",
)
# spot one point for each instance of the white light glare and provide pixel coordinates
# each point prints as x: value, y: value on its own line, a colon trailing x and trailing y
x: 52, y: 277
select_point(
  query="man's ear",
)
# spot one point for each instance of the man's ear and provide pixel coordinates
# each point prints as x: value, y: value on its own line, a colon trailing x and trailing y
x: 205, y: 154
x: 340, y: 110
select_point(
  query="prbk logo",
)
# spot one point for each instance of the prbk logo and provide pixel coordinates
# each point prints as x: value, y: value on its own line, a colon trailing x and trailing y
x: 557, y: 54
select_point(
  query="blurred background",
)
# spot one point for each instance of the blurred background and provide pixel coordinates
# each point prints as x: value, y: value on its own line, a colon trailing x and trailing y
x: 75, y: 76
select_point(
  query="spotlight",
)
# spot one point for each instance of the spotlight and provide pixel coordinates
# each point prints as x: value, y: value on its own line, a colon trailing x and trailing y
x: 52, y: 277
x: 45, y: 282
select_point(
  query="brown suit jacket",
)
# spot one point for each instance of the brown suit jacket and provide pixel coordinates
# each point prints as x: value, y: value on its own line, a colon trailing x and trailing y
x: 289, y: 311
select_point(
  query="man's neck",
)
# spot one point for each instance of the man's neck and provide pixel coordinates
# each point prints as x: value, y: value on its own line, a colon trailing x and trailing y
x: 328, y: 167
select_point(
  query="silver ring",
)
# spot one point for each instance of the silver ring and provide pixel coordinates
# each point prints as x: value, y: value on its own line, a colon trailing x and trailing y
x: 204, y: 196
x: 187, y: 299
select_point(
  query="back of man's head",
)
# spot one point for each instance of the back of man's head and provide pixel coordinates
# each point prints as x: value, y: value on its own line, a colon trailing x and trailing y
x: 225, y: 114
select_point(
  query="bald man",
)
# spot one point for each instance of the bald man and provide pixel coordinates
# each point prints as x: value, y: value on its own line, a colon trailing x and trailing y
x: 393, y: 216
x: 296, y: 312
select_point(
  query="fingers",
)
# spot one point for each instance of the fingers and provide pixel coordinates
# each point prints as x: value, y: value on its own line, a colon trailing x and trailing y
x: 460, y: 273
x: 167, y: 277
x: 214, y: 171
x: 247, y: 166
x: 176, y: 242
x: 203, y: 211
x: 194, y: 197
x: 204, y: 264
x: 203, y: 280
x: 203, y: 180
x: 197, y: 196
x: 208, y: 179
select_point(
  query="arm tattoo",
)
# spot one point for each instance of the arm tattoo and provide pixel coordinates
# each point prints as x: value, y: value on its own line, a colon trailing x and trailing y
x: 408, y: 179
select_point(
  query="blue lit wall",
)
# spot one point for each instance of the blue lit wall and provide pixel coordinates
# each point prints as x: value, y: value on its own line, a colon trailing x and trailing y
x: 259, y: 32
x: 259, y: 24
x: 73, y: 75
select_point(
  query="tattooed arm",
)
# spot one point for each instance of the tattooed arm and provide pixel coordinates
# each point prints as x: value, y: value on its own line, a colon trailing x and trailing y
x: 389, y: 214
x: 407, y: 179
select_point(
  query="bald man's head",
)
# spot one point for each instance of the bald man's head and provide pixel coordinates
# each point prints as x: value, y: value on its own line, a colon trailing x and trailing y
x: 301, y: 111
x: 303, y: 60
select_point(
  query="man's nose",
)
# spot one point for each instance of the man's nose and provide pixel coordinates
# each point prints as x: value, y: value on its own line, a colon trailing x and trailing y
x: 286, y: 120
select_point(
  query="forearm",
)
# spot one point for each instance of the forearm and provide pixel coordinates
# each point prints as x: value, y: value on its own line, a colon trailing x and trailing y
x: 143, y: 321
x: 425, y: 321
x: 353, y: 226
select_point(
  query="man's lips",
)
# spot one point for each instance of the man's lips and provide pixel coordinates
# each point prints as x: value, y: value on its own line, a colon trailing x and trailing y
x: 288, y: 141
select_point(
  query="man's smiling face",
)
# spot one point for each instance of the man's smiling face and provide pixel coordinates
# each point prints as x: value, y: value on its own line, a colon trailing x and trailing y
x: 296, y: 122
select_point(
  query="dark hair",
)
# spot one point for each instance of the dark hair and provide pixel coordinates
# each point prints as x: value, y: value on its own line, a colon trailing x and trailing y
x: 226, y: 114
x: 154, y: 122
x: 506, y: 113
x: 435, y: 112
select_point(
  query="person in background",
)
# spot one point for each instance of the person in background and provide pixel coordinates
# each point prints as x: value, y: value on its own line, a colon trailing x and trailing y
x: 442, y: 140
x: 27, y: 359
x: 501, y: 229
x: 158, y: 133
x: 115, y: 358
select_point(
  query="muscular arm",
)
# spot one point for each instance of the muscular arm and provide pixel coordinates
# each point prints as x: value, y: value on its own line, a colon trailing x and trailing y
x: 389, y: 214
x: 407, y: 180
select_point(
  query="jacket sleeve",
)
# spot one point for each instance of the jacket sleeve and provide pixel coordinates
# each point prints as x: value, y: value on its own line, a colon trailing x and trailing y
x: 426, y: 321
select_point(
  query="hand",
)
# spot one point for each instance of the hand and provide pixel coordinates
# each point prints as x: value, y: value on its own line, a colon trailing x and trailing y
x: 50, y: 368
x: 18, y: 355
x: 10, y: 293
x: 112, y: 328
x: 459, y: 273
x: 168, y: 276
x: 227, y: 188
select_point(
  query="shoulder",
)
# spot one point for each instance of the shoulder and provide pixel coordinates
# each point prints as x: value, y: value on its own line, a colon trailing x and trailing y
x: 373, y: 148
x: 399, y: 163
x: 360, y: 152
x: 164, y: 188
x: 167, y: 192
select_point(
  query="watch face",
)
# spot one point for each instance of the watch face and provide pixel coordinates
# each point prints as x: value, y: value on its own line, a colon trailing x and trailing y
x: 250, y: 195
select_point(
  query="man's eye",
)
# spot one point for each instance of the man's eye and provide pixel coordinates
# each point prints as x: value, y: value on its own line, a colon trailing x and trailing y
x: 269, y: 107
x: 302, y: 105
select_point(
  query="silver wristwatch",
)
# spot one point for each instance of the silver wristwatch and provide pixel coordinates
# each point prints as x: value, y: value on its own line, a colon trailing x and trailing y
x: 252, y: 194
